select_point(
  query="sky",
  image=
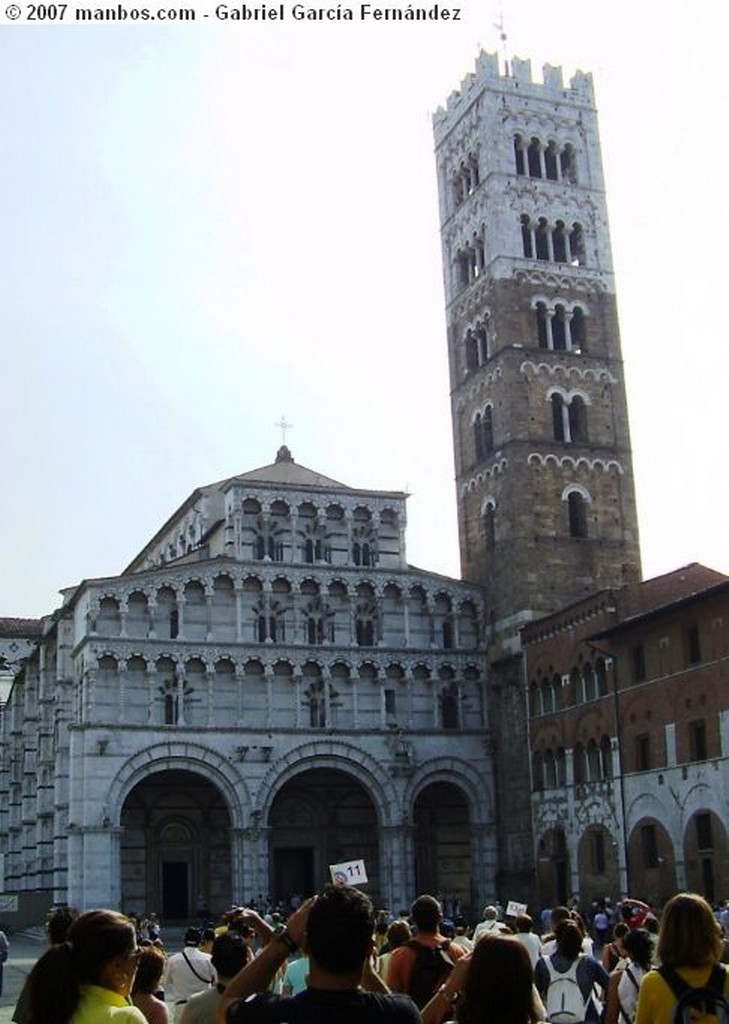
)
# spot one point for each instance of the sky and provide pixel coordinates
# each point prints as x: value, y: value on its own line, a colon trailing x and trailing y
x: 208, y: 226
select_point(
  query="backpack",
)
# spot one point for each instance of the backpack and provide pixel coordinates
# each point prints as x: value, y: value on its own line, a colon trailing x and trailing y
x: 565, y: 1003
x: 430, y: 969
x: 698, y: 1005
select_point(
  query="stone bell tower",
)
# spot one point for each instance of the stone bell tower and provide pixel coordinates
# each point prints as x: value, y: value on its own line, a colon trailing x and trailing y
x: 544, y: 479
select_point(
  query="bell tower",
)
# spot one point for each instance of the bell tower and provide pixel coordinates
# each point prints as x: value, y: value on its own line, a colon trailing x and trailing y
x: 546, y: 503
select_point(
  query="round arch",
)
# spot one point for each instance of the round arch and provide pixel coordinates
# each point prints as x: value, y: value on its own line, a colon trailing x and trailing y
x: 328, y: 754
x: 192, y: 757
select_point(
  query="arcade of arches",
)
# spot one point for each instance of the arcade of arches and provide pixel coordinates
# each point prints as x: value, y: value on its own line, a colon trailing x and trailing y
x: 658, y: 864
x: 176, y: 847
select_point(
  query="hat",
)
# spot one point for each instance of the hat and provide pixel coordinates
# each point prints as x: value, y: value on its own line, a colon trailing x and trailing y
x: 192, y: 937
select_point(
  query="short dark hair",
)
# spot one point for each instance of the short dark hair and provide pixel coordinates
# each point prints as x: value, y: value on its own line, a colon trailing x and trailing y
x: 208, y: 935
x: 339, y: 929
x: 192, y: 937
x: 639, y: 947
x: 229, y: 954
x: 426, y: 913
x: 569, y: 939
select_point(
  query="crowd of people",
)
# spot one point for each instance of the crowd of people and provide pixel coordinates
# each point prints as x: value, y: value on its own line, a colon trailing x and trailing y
x: 331, y: 959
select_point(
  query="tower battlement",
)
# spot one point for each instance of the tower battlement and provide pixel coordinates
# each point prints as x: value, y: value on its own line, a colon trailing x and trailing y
x: 517, y: 79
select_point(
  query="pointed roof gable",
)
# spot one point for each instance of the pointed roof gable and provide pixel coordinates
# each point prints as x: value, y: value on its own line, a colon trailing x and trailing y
x: 285, y: 471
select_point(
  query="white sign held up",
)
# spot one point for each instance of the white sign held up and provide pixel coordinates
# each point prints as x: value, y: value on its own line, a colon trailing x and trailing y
x: 352, y: 872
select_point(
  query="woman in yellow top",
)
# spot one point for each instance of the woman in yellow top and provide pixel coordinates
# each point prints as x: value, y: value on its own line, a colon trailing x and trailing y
x: 88, y: 978
x: 690, y: 942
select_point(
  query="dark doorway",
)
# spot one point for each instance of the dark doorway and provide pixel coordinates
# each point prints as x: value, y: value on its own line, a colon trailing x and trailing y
x: 320, y: 817
x: 175, y: 851
x: 175, y: 903
x: 293, y: 871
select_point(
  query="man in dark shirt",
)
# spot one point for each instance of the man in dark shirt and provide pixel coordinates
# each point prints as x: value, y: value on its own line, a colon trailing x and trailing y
x: 336, y: 930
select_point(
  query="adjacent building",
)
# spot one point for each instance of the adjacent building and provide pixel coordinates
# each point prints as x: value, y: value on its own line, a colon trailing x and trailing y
x: 629, y: 726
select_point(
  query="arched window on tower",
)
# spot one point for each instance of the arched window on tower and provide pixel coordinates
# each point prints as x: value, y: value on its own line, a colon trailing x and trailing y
x: 550, y: 161
x: 558, y: 424
x: 606, y: 758
x: 519, y: 155
x: 489, y: 526
x: 568, y: 164
x: 472, y: 362
x: 579, y: 764
x: 542, y: 239
x: 577, y: 420
x: 542, y: 327
x: 577, y: 514
x: 578, y: 334
x: 577, y: 246
x: 559, y: 242
x: 535, y: 169
x: 550, y: 771
x: 559, y: 329
x: 527, y: 236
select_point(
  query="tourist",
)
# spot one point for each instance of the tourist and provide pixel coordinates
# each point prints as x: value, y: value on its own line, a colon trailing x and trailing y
x: 490, y: 925
x: 556, y: 974
x: 404, y: 972
x: 57, y: 924
x: 614, y: 952
x: 523, y: 932
x: 229, y: 955
x: 625, y: 982
x: 336, y: 931
x: 397, y: 935
x: 89, y: 977
x: 188, y: 972
x: 492, y: 985
x: 690, y: 944
x: 146, y: 985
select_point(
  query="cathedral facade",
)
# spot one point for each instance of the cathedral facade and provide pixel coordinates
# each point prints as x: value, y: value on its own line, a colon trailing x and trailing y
x: 267, y: 690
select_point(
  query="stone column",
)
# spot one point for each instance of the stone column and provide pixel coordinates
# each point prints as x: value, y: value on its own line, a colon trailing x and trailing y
x: 208, y: 611
x: 239, y: 678
x: 210, y: 679
x: 238, y: 589
x: 123, y: 612
x: 122, y: 671
x: 151, y: 687
x: 180, y: 678
x: 268, y: 673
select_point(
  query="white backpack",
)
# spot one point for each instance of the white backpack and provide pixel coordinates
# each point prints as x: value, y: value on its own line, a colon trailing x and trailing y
x: 565, y: 1003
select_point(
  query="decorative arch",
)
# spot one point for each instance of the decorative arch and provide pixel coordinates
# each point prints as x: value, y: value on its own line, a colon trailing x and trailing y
x: 181, y: 756
x: 342, y: 757
x: 458, y: 773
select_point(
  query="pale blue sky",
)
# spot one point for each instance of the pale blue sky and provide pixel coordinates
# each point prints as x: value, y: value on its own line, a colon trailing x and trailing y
x: 206, y: 226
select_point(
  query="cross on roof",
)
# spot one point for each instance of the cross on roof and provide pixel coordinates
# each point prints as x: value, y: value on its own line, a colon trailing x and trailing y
x: 282, y: 423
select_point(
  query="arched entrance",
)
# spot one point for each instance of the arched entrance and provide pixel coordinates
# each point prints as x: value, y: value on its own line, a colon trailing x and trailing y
x: 442, y: 843
x: 320, y: 817
x: 597, y: 864
x: 651, y: 861
x: 175, y: 847
x: 706, y: 855
x: 553, y: 868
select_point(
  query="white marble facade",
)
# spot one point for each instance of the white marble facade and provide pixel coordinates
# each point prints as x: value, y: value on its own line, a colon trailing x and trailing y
x: 268, y: 688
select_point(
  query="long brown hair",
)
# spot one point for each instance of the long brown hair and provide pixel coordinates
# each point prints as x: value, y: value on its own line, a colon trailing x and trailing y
x: 498, y: 987
x: 92, y: 941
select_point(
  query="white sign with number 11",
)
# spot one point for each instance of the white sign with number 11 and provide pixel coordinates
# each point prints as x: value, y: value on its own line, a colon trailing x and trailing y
x: 352, y: 872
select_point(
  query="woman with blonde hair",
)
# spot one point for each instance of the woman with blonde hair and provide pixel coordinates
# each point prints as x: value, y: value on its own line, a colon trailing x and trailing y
x: 88, y: 978
x: 689, y: 947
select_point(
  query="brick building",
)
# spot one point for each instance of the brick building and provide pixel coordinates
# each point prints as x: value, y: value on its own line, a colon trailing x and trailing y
x: 629, y: 736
